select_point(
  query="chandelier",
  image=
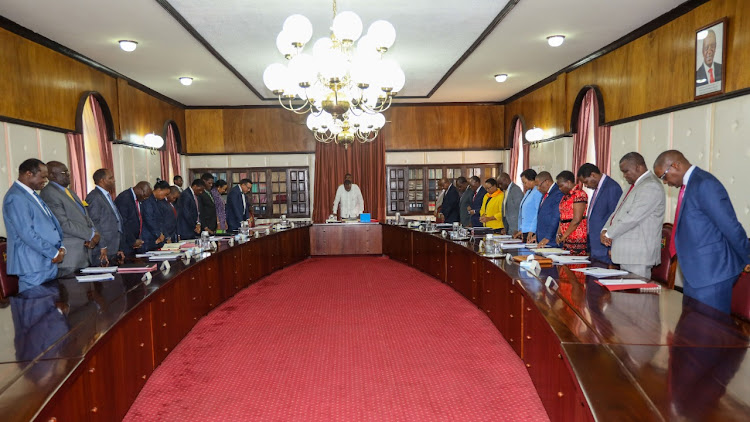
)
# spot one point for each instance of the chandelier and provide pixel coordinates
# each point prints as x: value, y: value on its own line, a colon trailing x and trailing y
x: 344, y: 87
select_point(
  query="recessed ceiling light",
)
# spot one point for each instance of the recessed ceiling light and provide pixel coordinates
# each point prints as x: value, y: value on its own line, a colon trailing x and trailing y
x: 128, y: 45
x: 501, y: 77
x: 186, y: 80
x: 555, y: 40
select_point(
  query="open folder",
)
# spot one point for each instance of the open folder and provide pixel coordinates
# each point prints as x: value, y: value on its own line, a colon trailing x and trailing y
x: 614, y: 285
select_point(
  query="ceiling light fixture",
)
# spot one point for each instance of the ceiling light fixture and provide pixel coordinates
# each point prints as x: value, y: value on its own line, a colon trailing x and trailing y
x: 344, y: 87
x: 501, y: 77
x: 186, y: 80
x: 128, y: 45
x: 555, y: 40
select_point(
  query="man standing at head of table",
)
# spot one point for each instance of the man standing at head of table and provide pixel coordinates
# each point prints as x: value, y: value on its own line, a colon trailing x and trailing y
x: 34, y: 234
x: 450, y: 201
x: 710, y: 243
x: 350, y: 198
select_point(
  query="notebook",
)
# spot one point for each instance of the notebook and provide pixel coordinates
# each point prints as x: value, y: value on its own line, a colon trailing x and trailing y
x: 136, y: 268
x: 601, y: 272
x: 614, y: 285
x: 94, y: 277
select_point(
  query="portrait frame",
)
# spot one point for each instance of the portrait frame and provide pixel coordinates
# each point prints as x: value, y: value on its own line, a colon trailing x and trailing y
x: 716, y: 32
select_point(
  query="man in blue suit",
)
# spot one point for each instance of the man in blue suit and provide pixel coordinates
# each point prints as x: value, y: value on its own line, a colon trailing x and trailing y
x: 450, y: 202
x: 603, y: 201
x: 238, y: 210
x: 153, y: 219
x: 548, y: 217
x: 188, y: 214
x: 476, y: 201
x: 169, y: 214
x: 34, y: 234
x: 710, y: 243
x: 128, y: 203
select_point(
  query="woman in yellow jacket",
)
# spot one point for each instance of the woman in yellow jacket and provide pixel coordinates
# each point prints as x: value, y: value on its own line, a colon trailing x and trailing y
x: 491, y: 213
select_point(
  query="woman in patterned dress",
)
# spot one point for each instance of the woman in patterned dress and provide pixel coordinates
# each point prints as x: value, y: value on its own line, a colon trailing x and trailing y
x: 573, y: 230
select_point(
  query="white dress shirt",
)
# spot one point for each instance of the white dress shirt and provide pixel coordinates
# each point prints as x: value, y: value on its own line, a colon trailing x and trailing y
x: 352, y: 203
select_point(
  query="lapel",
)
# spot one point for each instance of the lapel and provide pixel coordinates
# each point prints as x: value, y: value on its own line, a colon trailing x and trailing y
x: 29, y: 197
x: 694, y: 176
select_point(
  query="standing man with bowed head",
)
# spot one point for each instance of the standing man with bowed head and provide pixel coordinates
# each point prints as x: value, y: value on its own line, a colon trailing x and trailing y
x: 169, y: 214
x: 177, y: 180
x: 129, y: 204
x: 464, y: 204
x: 34, y: 234
x: 512, y: 196
x: 606, y: 193
x: 548, y: 216
x: 106, y: 218
x: 207, y: 212
x: 188, y: 211
x: 153, y: 218
x: 238, y: 208
x: 79, y: 234
x: 450, y: 201
x: 476, y: 200
x: 633, y: 230
x: 710, y: 243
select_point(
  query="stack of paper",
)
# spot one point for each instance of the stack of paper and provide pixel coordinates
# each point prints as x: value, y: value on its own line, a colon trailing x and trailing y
x: 94, y: 277
x: 98, y: 270
x: 165, y: 256
x: 614, y: 285
x: 136, y: 268
x: 601, y: 272
x: 172, y: 246
x: 512, y: 245
x: 550, y: 251
x: 568, y: 259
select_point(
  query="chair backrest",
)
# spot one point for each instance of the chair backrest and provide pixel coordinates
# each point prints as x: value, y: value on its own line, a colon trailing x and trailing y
x: 741, y: 297
x: 8, y: 283
x: 665, y: 271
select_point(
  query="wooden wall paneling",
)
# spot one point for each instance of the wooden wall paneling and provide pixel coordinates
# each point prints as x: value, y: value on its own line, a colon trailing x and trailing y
x: 204, y: 131
x: 444, y: 127
x: 266, y: 130
x: 543, y: 108
x: 140, y: 113
x: 42, y: 86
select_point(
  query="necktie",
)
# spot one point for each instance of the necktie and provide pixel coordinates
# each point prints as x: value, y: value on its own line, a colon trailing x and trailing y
x: 594, y: 194
x: 672, y: 247
x: 70, y: 195
x: 174, y: 210
x: 623, y: 201
x: 42, y: 204
x: 711, y: 76
x: 140, y: 219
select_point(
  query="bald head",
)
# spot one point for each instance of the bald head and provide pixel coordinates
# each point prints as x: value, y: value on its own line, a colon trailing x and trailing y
x: 543, y: 181
x: 503, y: 181
x: 444, y: 182
x: 142, y: 190
x: 58, y: 173
x: 670, y: 166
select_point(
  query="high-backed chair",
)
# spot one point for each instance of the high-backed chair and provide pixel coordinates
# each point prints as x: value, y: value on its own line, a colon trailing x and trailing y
x: 8, y: 283
x: 741, y: 297
x: 665, y: 272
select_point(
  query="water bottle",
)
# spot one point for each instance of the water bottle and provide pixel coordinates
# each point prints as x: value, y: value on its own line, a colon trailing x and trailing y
x: 205, y: 242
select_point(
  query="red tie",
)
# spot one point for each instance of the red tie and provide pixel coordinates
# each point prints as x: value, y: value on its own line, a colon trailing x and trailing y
x: 174, y: 210
x: 140, y: 219
x: 711, y: 76
x: 543, y: 198
x: 623, y: 201
x: 672, y: 247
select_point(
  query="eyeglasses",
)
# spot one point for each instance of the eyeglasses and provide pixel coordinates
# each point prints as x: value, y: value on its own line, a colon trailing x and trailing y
x: 663, y: 176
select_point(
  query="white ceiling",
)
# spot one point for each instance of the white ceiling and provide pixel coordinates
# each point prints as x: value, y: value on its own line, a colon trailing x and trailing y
x: 431, y: 36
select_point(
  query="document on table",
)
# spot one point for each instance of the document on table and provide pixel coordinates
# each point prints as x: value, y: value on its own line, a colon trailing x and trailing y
x: 628, y: 284
x: 601, y: 272
x: 98, y: 270
x: 512, y: 245
x: 94, y: 277
x: 549, y: 251
x: 568, y: 259
x: 165, y: 257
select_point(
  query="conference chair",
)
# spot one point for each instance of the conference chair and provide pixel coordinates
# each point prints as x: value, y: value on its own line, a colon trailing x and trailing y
x: 665, y: 272
x: 8, y: 283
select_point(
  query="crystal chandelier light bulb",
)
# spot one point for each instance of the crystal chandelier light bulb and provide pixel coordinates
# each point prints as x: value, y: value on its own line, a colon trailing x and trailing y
x: 299, y: 29
x: 347, y: 26
x: 275, y: 76
x: 284, y: 44
x: 382, y: 33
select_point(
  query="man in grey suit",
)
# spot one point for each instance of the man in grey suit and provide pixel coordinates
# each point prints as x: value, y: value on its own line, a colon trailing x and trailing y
x: 106, y: 218
x: 634, y: 228
x: 464, y: 203
x: 511, y: 203
x: 79, y: 234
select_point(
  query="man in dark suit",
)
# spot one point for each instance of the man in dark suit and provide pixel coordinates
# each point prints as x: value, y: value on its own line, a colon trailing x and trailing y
x: 129, y: 204
x: 238, y: 207
x: 79, y: 234
x: 710, y: 70
x: 548, y: 217
x: 177, y: 180
x: 450, y: 202
x: 188, y: 212
x: 207, y: 205
x: 603, y: 201
x: 464, y: 204
x: 34, y: 234
x: 710, y: 243
x: 169, y: 214
x: 476, y: 200
x: 153, y: 219
x: 106, y: 218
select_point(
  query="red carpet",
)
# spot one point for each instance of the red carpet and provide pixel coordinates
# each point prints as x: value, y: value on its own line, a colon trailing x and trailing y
x: 342, y: 339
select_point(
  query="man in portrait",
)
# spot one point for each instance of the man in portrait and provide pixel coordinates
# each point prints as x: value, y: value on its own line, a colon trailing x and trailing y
x: 710, y: 70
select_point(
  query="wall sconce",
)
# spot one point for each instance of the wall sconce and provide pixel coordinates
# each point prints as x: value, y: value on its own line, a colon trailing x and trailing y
x: 153, y: 141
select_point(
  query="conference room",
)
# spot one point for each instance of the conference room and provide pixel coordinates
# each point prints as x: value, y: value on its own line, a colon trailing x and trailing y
x: 341, y: 210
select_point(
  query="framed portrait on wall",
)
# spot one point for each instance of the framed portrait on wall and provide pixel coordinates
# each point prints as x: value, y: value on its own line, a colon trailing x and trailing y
x: 710, y: 55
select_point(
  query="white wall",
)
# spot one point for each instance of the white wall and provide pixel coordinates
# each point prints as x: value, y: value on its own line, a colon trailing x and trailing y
x: 133, y: 164
x: 554, y: 156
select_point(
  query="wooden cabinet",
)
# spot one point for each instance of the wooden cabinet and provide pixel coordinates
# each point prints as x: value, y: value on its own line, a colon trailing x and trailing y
x: 397, y: 244
x: 459, y: 272
x: 70, y: 403
x: 502, y: 301
x: 429, y: 254
x: 346, y: 239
